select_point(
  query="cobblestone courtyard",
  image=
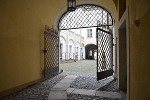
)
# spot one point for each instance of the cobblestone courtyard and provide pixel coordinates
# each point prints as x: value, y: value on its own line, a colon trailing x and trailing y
x: 80, y: 68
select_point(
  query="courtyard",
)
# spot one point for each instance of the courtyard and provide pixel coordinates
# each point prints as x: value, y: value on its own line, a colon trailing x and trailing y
x: 80, y: 68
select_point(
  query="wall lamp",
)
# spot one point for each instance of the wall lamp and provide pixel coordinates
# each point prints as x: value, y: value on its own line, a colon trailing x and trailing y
x: 71, y: 5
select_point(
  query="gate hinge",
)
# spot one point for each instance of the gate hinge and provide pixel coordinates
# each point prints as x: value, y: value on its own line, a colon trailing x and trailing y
x: 44, y: 51
x: 113, y: 44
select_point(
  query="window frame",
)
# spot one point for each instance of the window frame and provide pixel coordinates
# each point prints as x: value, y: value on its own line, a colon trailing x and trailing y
x: 89, y: 33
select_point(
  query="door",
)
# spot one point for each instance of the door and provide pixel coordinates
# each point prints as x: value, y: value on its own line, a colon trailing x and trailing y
x: 104, y: 53
x: 51, y: 52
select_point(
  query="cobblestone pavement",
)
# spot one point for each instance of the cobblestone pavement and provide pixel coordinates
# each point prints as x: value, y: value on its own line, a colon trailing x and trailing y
x: 39, y: 91
x: 80, y: 68
x: 91, y: 83
x: 83, y: 69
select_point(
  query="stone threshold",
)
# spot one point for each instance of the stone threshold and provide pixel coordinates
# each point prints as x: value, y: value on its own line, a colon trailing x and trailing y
x: 61, y: 89
x: 94, y: 93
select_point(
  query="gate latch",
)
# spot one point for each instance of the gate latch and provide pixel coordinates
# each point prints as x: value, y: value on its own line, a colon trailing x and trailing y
x: 44, y: 51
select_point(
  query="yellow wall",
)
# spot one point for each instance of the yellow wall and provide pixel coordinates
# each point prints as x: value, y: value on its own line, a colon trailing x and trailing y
x: 139, y: 49
x: 21, y: 38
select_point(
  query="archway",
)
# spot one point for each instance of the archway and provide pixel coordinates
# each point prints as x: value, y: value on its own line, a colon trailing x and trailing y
x: 90, y: 16
x: 85, y: 16
x: 91, y: 50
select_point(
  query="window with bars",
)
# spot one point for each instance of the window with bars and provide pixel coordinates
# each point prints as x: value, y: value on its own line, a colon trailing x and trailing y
x: 89, y: 33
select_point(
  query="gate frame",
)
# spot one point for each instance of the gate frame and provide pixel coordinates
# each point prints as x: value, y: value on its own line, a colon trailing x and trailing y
x: 48, y: 71
x: 107, y: 73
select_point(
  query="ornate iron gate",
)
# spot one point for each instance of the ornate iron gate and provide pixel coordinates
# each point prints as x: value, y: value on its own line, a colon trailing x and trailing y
x: 104, y: 53
x: 51, y: 51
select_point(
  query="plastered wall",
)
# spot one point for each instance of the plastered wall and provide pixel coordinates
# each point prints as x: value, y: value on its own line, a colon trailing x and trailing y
x: 139, y: 49
x: 21, y: 38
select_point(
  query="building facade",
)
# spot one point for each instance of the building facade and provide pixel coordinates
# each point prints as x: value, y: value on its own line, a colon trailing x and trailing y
x: 78, y: 44
x: 72, y: 45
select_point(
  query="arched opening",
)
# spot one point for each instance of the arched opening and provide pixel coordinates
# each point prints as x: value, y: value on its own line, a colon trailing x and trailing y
x: 91, y: 51
x: 85, y: 16
x: 86, y: 19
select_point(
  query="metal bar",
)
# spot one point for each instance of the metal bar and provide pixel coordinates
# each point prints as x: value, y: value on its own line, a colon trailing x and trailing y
x: 97, y: 49
x: 104, y: 74
x: 105, y: 31
x: 83, y: 27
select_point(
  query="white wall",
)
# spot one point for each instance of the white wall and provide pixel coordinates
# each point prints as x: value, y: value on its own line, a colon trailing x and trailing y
x: 83, y: 50
x: 78, y: 51
x: 71, y: 54
x: 72, y: 37
x: 63, y: 41
x: 89, y: 40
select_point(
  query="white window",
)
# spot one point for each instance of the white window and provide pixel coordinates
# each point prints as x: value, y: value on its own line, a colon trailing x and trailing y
x: 89, y: 33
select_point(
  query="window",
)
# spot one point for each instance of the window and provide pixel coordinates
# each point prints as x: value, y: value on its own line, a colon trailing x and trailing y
x: 70, y: 48
x: 61, y: 49
x: 89, y: 33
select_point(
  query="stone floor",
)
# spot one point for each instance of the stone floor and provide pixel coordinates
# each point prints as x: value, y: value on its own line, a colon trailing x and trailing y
x: 39, y: 91
x: 77, y: 82
x: 59, y: 91
x: 62, y: 91
x: 91, y: 83
x: 89, y: 97
x: 62, y: 87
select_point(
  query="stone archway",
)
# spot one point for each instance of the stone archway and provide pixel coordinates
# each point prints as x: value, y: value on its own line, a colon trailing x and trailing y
x: 109, y: 6
x: 89, y: 16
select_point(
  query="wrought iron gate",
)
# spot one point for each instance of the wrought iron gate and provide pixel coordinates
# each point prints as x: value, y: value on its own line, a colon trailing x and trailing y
x: 104, y: 53
x: 51, y: 51
x: 86, y: 16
